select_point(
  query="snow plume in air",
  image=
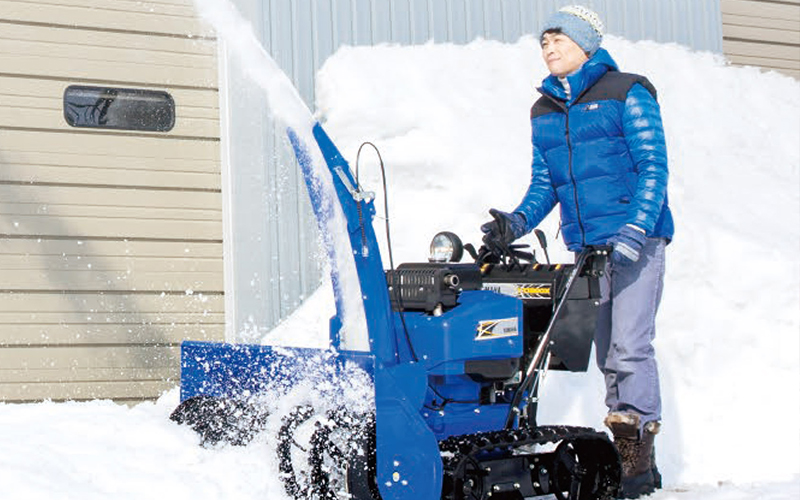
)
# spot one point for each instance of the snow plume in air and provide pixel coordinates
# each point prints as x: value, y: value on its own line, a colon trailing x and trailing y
x: 288, y: 108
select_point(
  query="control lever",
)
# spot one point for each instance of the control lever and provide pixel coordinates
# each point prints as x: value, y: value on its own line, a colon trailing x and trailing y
x: 542, y: 242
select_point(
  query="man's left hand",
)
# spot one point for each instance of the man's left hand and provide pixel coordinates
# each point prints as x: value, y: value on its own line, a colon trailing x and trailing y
x: 627, y: 244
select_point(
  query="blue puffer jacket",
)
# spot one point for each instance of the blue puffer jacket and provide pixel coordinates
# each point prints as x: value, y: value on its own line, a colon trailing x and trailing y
x: 601, y: 155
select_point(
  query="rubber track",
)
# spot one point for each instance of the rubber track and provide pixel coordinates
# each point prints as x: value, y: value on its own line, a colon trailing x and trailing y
x: 458, y: 451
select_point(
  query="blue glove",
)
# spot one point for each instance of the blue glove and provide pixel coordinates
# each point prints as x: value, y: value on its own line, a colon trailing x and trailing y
x: 504, y: 229
x: 627, y: 244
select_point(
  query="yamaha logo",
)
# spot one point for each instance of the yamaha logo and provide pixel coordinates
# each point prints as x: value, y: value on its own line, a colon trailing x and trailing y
x: 497, y: 328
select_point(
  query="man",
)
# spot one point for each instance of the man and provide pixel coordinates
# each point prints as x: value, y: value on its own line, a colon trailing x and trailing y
x: 599, y: 152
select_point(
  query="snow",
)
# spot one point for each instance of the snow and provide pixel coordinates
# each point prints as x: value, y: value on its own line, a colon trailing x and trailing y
x: 287, y: 108
x: 451, y: 123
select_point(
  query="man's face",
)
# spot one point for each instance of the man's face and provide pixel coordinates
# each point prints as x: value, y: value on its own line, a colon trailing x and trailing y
x: 561, y: 54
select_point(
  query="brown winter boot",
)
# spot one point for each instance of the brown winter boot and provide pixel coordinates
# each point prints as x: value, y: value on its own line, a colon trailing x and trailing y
x: 640, y: 475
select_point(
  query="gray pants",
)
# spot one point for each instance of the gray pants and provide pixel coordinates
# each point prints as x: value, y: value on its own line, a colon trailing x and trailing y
x: 625, y: 332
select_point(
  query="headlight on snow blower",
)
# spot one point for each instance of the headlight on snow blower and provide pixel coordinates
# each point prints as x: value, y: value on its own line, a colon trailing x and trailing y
x: 446, y: 247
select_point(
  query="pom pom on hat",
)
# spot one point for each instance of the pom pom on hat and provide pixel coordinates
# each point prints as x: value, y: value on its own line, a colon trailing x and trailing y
x: 582, y: 25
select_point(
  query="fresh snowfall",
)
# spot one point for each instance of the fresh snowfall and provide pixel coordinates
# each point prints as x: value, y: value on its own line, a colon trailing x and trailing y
x: 451, y: 123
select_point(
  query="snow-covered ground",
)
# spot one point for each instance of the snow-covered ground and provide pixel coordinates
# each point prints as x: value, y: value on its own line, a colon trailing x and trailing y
x: 451, y: 123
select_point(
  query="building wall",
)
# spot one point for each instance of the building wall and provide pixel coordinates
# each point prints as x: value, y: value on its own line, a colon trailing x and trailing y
x: 763, y: 33
x: 110, y: 240
x: 271, y: 237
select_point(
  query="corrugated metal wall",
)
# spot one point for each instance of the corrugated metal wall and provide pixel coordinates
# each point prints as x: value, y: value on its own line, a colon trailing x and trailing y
x: 763, y: 33
x: 270, y: 235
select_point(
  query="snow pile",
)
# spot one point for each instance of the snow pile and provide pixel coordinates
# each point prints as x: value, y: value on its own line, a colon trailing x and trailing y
x: 452, y: 125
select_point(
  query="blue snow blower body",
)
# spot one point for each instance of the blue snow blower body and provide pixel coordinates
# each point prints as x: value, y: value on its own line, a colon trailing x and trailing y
x: 454, y: 353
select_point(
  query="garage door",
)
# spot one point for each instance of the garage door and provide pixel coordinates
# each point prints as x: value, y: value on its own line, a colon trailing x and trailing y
x: 110, y: 203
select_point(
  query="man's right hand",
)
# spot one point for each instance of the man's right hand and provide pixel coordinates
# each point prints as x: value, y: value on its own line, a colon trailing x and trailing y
x: 500, y: 232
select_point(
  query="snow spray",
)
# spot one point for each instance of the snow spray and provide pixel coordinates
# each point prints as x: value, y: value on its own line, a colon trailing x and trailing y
x: 288, y: 108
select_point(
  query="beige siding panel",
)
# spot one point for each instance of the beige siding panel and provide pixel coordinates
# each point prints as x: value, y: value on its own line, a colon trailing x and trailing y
x: 160, y: 320
x: 764, y: 35
x: 111, y: 249
x: 80, y: 201
x: 110, y: 241
x: 95, y: 147
x: 140, y: 280
x: 62, y: 373
x: 125, y: 226
x: 32, y: 373
x: 166, y: 17
x: 107, y: 48
x: 791, y: 68
x: 113, y: 149
x: 108, y: 160
x: 32, y: 38
x: 133, y: 389
x: 94, y: 375
x: 121, y: 169
x: 761, y: 22
x: 117, y: 318
x: 40, y: 104
x: 40, y: 307
x: 41, y: 172
x: 754, y: 8
x: 44, y: 173
x: 67, y: 53
x: 117, y: 276
x: 34, y: 334
x: 84, y: 357
x: 760, y: 50
x: 104, y: 212
x: 109, y: 151
x: 769, y: 62
x: 100, y: 265
x: 88, y: 280
x: 116, y: 266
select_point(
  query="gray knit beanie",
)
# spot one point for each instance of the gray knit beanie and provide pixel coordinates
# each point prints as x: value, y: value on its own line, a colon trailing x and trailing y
x: 582, y: 25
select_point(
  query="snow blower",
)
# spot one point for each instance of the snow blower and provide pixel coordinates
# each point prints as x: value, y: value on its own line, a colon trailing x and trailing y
x: 454, y: 355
